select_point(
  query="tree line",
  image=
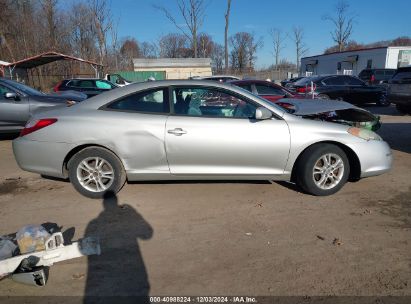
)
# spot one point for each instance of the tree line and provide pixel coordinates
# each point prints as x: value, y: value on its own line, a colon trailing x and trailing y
x: 88, y: 29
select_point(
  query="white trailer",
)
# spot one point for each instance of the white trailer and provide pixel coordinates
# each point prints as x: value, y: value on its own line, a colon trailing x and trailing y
x: 353, y: 62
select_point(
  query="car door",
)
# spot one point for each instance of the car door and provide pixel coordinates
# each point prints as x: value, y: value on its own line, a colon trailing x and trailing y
x: 335, y: 88
x: 137, y: 122
x: 359, y: 92
x: 214, y: 134
x: 14, y: 113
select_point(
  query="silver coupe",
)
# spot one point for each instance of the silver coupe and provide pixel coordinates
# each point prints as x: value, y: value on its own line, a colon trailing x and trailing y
x: 193, y: 129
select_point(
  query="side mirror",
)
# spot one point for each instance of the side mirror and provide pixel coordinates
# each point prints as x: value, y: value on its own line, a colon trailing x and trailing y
x: 11, y: 95
x: 262, y: 113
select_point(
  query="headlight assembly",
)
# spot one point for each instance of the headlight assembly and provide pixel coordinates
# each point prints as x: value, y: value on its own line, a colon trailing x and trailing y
x: 364, y: 134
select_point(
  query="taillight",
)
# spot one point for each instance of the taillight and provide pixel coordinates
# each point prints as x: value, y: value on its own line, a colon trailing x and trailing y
x: 57, y: 86
x: 372, y: 79
x: 306, y: 89
x: 35, y: 125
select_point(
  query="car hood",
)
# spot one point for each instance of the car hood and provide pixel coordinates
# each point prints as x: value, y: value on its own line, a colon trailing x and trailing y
x: 302, y: 107
x: 333, y: 111
x: 49, y: 99
x: 69, y: 95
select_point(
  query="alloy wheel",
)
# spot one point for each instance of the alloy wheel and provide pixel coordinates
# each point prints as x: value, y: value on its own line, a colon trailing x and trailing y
x: 328, y: 171
x: 95, y: 174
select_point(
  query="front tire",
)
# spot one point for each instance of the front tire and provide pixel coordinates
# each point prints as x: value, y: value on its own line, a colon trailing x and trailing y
x: 322, y: 169
x: 95, y: 172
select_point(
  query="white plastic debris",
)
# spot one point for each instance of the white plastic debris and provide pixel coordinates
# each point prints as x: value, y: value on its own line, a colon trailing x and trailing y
x: 7, y: 248
x: 54, y: 252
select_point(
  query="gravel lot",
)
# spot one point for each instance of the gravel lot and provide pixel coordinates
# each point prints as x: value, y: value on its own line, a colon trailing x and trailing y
x: 226, y: 238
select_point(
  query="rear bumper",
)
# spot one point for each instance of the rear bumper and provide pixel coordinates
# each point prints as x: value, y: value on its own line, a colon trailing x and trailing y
x: 40, y: 157
x: 375, y: 157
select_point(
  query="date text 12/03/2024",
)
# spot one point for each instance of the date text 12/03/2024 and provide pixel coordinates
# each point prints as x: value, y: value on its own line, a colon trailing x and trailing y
x: 203, y: 299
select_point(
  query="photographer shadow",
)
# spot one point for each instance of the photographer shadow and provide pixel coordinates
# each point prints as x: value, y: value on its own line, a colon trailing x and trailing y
x: 119, y: 271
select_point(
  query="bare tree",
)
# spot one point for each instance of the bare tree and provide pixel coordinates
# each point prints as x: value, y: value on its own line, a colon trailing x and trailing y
x: 205, y: 45
x: 243, y: 53
x: 300, y: 47
x: 193, y: 12
x: 343, y: 23
x: 174, y: 45
x: 227, y: 19
x: 217, y: 57
x: 114, y: 44
x: 102, y: 22
x: 83, y: 38
x: 148, y: 50
x: 278, y: 44
x: 129, y: 50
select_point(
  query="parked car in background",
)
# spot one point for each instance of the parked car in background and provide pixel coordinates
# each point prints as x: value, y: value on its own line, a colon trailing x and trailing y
x: 18, y: 102
x: 167, y: 130
x: 117, y: 79
x: 219, y: 78
x: 341, y: 87
x: 399, y: 90
x: 376, y: 76
x: 267, y: 90
x: 286, y: 82
x: 89, y: 86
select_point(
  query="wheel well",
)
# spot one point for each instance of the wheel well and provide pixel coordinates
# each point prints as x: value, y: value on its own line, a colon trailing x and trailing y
x: 75, y: 151
x: 355, y: 165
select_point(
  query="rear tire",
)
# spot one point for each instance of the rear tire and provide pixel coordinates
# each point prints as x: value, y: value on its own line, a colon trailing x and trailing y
x: 95, y: 172
x: 322, y: 169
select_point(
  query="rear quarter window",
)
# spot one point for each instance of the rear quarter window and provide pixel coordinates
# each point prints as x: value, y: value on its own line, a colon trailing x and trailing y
x: 151, y: 101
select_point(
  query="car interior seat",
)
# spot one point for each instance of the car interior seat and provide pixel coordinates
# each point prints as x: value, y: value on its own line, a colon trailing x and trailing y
x: 194, y: 106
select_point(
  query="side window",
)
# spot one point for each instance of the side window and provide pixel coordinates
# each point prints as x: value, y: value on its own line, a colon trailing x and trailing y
x: 86, y: 84
x: 152, y: 101
x: 268, y: 90
x: 199, y: 101
x: 333, y: 81
x: 246, y: 87
x: 352, y: 81
x: 72, y: 83
x: 103, y: 85
x: 389, y: 74
x: 403, y: 75
x: 4, y: 90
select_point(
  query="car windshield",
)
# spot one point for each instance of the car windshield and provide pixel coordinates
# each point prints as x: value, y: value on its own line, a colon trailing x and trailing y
x: 402, y: 75
x: 23, y: 88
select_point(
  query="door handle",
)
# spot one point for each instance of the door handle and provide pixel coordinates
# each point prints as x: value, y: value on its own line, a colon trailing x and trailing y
x: 177, y: 132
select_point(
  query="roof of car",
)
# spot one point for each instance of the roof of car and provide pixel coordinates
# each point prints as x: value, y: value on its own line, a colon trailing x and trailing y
x: 214, y: 77
x: 80, y: 78
x: 101, y: 99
